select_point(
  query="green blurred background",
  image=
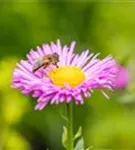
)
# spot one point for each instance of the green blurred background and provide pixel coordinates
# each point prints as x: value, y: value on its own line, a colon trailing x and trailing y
x: 103, y: 26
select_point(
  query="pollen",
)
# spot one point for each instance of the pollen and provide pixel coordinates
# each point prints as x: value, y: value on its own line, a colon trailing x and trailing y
x: 70, y: 75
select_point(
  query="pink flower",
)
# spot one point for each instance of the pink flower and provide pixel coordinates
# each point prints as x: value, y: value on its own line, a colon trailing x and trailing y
x: 121, y: 78
x: 76, y: 77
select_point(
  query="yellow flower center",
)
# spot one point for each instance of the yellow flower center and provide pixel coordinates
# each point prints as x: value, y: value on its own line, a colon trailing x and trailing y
x: 67, y: 75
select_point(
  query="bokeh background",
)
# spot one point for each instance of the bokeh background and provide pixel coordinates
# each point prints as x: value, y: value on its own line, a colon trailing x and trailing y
x: 105, y: 26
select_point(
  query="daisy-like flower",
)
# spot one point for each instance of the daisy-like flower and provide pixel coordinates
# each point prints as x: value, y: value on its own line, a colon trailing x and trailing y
x: 75, y: 78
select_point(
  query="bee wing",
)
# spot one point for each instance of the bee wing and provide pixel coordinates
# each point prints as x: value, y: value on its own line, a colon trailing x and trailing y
x: 37, y: 65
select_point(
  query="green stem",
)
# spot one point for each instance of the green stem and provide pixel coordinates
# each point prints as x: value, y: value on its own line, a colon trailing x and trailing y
x: 70, y: 126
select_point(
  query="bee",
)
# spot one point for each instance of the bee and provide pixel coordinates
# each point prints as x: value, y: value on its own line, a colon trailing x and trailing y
x: 45, y: 61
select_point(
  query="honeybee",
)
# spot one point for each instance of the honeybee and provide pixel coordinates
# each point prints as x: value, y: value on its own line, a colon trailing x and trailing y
x: 45, y: 61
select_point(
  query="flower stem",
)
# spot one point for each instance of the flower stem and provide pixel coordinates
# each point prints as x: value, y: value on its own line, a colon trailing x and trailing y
x: 70, y: 126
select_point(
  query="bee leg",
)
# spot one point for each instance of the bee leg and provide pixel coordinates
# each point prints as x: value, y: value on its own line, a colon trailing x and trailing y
x: 35, y: 68
x: 56, y: 65
x: 45, y: 65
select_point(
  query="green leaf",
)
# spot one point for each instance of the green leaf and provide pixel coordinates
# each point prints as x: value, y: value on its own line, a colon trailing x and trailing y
x: 63, y: 116
x: 79, y: 133
x: 65, y: 137
x: 89, y: 148
x: 80, y: 144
